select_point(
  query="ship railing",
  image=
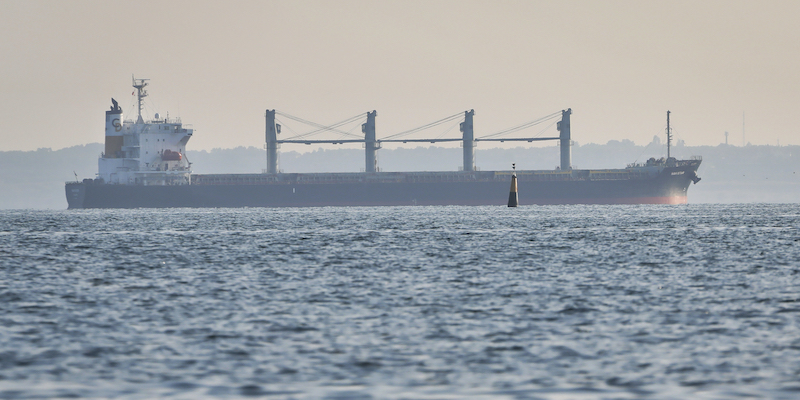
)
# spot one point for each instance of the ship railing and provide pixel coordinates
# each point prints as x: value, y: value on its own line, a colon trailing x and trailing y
x: 333, y: 178
x: 686, y: 163
x: 608, y: 175
x: 539, y: 177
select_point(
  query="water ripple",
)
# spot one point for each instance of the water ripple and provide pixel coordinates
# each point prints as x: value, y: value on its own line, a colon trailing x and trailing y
x: 556, y: 302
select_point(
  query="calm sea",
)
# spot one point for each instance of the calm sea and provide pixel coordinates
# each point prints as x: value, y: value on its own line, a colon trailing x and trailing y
x: 561, y: 302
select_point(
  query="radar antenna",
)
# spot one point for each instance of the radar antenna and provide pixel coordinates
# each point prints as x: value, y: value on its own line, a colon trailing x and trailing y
x: 139, y: 84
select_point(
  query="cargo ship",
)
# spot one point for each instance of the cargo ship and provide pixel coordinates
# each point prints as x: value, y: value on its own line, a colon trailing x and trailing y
x: 144, y: 165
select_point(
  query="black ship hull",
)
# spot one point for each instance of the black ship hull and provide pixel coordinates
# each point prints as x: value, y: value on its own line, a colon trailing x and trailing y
x: 666, y: 185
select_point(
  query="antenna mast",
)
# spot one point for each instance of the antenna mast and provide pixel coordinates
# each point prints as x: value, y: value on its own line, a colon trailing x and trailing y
x: 669, y: 135
x: 139, y: 84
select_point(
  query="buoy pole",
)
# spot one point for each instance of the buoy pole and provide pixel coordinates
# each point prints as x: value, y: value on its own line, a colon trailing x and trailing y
x: 513, y: 198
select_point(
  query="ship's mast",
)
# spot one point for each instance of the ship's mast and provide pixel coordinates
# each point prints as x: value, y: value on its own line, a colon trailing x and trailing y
x: 669, y: 135
x: 139, y: 84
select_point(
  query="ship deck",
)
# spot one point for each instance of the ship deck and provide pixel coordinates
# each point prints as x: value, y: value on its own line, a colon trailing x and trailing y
x: 459, y: 176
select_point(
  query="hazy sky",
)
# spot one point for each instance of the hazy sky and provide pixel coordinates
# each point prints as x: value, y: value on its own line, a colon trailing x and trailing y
x: 620, y: 65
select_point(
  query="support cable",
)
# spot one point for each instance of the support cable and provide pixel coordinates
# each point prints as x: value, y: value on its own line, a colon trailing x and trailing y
x: 281, y: 123
x: 322, y: 128
x: 350, y: 132
x: 332, y: 129
x: 423, y: 127
x: 544, y: 130
x: 448, y: 130
x: 523, y: 126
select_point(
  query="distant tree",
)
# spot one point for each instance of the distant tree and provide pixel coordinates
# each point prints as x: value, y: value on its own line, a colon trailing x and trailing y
x: 656, y: 141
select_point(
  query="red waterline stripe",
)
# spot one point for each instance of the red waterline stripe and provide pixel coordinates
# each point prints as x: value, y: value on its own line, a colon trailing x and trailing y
x: 621, y: 200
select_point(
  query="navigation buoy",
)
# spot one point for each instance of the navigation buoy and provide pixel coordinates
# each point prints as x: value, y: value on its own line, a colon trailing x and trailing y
x: 513, y: 198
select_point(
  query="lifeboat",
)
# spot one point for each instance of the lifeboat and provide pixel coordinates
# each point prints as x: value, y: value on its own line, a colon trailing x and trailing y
x: 169, y: 155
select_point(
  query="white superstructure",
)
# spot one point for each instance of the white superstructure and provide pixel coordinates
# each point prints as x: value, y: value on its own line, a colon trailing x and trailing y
x: 144, y: 152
